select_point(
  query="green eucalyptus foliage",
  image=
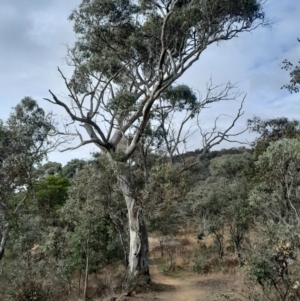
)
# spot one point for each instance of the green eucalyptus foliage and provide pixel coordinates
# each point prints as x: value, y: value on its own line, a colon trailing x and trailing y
x: 113, y: 32
x: 294, y: 85
x: 36, y: 251
x: 117, y: 37
x: 123, y: 103
x: 164, y: 197
x: 72, y: 168
x: 49, y: 168
x: 51, y: 192
x: 222, y: 201
x: 271, y: 130
x: 229, y: 166
x: 278, y: 170
x: 274, y: 264
x: 24, y: 142
x: 94, y: 216
x: 180, y: 97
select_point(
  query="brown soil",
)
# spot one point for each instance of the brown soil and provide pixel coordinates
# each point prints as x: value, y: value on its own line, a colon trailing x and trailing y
x: 212, y: 287
x: 189, y: 286
x: 200, y: 287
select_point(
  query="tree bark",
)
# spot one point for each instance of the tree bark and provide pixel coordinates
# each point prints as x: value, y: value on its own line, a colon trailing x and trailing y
x: 4, y: 227
x: 138, y: 260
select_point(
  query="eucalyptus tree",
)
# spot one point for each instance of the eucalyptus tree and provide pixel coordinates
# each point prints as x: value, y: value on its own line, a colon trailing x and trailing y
x: 275, y: 129
x: 24, y: 142
x: 51, y: 193
x: 276, y: 198
x: 223, y: 201
x: 94, y: 218
x: 272, y: 130
x: 277, y: 193
x: 126, y: 55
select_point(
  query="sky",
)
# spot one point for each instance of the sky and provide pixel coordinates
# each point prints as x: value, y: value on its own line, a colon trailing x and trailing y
x: 34, y: 35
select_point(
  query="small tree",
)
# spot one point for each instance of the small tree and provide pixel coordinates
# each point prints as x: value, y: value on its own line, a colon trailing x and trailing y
x: 164, y: 198
x: 222, y: 201
x: 94, y: 218
x: 277, y: 191
x: 51, y: 193
x: 272, y: 130
x: 276, y: 198
x: 24, y: 142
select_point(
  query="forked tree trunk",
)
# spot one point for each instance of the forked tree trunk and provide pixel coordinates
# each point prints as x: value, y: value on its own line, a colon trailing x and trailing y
x: 138, y: 260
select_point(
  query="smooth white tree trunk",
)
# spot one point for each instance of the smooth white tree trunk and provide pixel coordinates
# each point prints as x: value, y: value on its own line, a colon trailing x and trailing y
x: 138, y: 260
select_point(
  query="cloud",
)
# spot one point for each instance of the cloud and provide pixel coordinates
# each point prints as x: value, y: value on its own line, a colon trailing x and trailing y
x: 254, y: 60
x: 33, y: 35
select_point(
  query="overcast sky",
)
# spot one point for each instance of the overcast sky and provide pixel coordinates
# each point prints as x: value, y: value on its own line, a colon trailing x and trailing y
x: 34, y: 35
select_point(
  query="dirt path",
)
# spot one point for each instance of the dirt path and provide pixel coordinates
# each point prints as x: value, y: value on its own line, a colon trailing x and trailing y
x: 197, y: 288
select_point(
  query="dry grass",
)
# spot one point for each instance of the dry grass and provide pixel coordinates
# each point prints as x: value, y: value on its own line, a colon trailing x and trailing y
x: 219, y: 280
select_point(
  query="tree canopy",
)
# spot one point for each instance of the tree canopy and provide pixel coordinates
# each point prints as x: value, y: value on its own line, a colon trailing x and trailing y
x: 127, y: 53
